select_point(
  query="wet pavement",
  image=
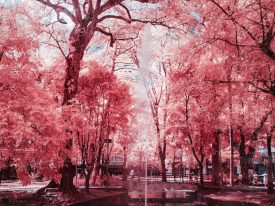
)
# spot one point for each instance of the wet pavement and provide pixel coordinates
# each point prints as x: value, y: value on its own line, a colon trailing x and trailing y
x: 161, y: 194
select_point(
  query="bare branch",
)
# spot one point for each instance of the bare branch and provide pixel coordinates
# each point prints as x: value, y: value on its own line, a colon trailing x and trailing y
x: 57, y: 41
x: 267, y: 91
x: 77, y: 10
x: 84, y: 7
x: 98, y: 2
x: 153, y: 22
x: 265, y: 43
x: 234, y: 44
x: 235, y: 21
x: 58, y: 8
x: 114, y: 17
x: 60, y: 20
x: 107, y: 34
x: 259, y: 128
x: 127, y: 10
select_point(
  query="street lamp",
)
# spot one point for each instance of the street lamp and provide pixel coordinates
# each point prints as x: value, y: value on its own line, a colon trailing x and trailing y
x: 107, y: 141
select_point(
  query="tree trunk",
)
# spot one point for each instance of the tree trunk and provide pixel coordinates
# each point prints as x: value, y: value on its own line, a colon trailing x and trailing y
x: 163, y: 169
x: 68, y: 173
x: 244, y: 161
x: 162, y: 164
x: 79, y: 39
x: 174, y: 166
x: 94, y: 173
x: 270, y: 189
x: 87, y: 181
x: 124, y: 171
x: 201, y: 173
x: 97, y: 164
x: 70, y: 91
x: 216, y: 164
x: 244, y: 169
x: 139, y: 171
x: 71, y: 78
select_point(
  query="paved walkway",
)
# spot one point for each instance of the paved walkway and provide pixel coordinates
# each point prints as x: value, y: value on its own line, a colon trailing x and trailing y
x: 13, y: 186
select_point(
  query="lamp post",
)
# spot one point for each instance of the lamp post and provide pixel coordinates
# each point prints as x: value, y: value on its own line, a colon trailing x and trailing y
x: 107, y: 141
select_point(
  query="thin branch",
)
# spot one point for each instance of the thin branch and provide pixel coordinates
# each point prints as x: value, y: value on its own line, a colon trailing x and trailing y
x: 114, y: 17
x: 126, y: 9
x: 261, y: 89
x: 234, y: 44
x: 235, y: 21
x: 98, y: 2
x: 58, y: 9
x: 84, y: 7
x: 154, y: 23
x: 107, y: 34
x: 58, y: 46
x: 259, y: 128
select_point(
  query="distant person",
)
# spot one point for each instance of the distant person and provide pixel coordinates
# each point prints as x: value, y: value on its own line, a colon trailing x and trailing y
x: 255, y: 178
x: 224, y: 179
x: 132, y: 173
x: 265, y: 179
x: 240, y: 177
x: 196, y: 180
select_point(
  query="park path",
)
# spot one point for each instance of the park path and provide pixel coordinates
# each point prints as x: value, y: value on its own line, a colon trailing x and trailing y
x: 13, y: 186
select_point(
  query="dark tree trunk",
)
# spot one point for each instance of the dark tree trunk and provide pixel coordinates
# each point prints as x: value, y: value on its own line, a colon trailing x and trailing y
x: 244, y: 160
x: 270, y: 189
x: 201, y: 173
x: 70, y: 91
x: 124, y: 171
x: 216, y: 164
x: 68, y: 173
x: 71, y: 78
x: 266, y: 45
x: 96, y: 165
x: 162, y: 164
x: 199, y: 160
x: 244, y: 169
x: 139, y: 170
x: 79, y: 39
x: 163, y: 170
x: 87, y: 181
x: 94, y: 173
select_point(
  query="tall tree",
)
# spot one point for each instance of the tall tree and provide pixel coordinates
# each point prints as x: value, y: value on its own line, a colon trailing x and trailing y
x: 105, y: 103
x: 88, y: 17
